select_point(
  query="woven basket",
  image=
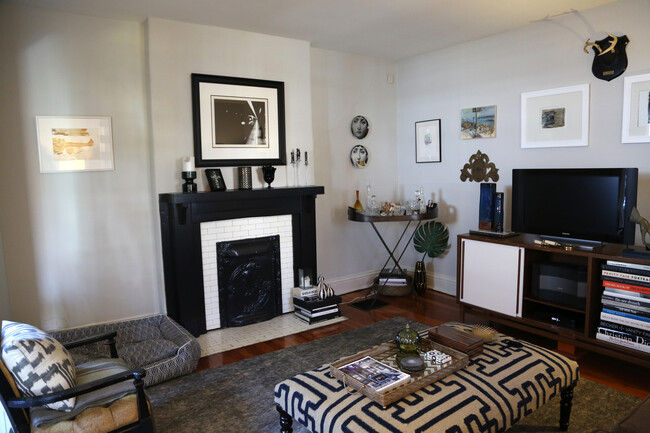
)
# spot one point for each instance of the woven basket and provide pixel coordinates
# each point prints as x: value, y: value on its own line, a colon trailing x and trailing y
x: 395, y: 290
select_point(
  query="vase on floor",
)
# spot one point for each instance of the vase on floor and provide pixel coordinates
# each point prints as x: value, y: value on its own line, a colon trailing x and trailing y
x: 420, y: 278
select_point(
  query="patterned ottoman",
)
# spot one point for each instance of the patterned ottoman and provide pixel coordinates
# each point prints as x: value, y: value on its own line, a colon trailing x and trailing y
x: 497, y: 389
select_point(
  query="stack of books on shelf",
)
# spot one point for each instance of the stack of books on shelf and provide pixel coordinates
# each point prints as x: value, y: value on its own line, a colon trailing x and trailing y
x: 310, y: 309
x: 388, y: 278
x: 457, y: 339
x: 625, y: 317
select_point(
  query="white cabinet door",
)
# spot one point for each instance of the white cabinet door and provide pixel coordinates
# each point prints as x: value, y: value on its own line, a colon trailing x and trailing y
x: 492, y: 276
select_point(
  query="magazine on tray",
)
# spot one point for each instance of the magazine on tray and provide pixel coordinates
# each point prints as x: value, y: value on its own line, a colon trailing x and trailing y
x: 374, y: 374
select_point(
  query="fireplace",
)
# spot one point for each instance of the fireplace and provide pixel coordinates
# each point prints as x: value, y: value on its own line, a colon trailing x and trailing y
x: 250, y: 284
x: 189, y: 219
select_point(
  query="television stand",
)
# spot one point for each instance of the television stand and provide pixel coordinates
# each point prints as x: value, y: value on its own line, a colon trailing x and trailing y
x: 495, y: 282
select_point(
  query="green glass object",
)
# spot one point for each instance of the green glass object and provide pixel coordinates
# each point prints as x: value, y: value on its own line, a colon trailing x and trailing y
x: 408, y: 340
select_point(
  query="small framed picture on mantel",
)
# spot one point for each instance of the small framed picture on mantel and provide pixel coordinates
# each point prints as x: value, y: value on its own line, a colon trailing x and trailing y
x: 215, y: 179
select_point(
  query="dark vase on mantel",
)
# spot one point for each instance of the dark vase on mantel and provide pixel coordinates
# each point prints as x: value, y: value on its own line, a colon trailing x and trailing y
x: 420, y: 278
x: 269, y: 174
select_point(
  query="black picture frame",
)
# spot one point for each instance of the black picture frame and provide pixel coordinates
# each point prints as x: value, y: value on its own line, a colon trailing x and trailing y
x: 428, y: 141
x: 238, y: 121
x: 215, y: 179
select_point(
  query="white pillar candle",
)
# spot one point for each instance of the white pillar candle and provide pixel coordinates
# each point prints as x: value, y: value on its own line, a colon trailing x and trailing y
x: 188, y: 164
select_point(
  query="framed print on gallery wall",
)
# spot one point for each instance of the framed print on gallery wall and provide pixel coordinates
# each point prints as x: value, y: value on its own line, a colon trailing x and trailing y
x: 636, y: 109
x: 74, y: 143
x: 478, y: 122
x: 427, y: 141
x: 556, y: 117
x: 237, y: 121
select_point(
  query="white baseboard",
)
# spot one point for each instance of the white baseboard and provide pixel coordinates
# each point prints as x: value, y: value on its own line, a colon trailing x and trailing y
x: 353, y: 283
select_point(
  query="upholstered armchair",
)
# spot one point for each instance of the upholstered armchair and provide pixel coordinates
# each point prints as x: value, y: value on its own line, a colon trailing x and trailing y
x: 44, y: 392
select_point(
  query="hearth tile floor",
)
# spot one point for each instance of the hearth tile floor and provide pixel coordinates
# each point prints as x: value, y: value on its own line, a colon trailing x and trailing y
x: 221, y: 340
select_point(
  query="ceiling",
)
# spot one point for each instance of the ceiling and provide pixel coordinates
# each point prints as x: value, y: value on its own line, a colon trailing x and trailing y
x: 388, y: 29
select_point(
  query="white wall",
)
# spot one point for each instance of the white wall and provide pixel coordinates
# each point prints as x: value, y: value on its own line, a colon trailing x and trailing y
x: 176, y: 50
x: 78, y: 247
x: 323, y: 92
x: 495, y: 71
x: 343, y: 86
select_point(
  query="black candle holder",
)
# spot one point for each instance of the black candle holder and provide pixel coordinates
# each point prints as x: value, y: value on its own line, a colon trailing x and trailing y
x: 189, y: 185
x: 269, y: 174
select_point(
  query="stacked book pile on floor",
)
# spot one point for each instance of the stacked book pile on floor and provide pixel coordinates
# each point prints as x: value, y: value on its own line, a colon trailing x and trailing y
x: 388, y: 278
x: 457, y: 339
x: 625, y: 317
x: 310, y: 309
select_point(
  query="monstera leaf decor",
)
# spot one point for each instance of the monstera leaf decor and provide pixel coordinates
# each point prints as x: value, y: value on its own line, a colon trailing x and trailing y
x: 431, y: 239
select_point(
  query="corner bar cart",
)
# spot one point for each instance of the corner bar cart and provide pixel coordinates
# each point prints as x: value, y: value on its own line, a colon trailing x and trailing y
x: 431, y: 213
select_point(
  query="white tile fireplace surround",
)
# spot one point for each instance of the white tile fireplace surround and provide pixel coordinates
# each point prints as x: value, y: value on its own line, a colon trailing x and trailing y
x: 183, y: 214
x: 238, y: 229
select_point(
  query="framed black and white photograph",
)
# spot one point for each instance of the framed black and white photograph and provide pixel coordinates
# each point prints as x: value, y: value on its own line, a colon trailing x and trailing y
x: 237, y: 121
x: 215, y: 179
x: 74, y: 143
x: 555, y: 117
x: 636, y: 109
x: 427, y: 141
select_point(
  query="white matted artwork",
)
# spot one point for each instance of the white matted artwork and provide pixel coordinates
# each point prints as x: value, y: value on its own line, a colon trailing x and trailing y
x: 555, y: 117
x: 427, y: 141
x: 74, y: 143
x: 636, y: 109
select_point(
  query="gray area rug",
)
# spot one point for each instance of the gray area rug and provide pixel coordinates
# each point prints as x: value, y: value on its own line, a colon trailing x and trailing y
x: 238, y: 397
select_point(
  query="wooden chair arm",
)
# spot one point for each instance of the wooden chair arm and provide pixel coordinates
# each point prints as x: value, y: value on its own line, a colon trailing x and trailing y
x: 109, y: 336
x: 137, y: 374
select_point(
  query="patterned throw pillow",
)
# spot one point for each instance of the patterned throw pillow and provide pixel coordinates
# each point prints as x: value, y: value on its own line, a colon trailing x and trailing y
x: 38, y: 363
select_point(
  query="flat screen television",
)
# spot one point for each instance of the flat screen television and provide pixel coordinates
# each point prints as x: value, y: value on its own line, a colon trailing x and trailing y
x: 575, y: 204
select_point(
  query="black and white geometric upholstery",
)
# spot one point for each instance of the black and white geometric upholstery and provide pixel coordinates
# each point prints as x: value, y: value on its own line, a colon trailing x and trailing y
x: 497, y: 389
x: 157, y: 343
x: 38, y: 363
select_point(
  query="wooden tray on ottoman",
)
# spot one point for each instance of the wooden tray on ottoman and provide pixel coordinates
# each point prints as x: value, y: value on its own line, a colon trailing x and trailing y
x: 387, y: 353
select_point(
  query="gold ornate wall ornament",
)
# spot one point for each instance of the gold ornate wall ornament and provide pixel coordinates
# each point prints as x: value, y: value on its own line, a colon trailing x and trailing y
x: 479, y: 169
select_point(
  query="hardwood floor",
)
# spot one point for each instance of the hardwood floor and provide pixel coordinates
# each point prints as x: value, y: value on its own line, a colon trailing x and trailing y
x: 433, y: 309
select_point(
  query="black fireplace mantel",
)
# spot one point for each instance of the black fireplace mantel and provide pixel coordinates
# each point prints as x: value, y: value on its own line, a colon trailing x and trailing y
x: 181, y: 215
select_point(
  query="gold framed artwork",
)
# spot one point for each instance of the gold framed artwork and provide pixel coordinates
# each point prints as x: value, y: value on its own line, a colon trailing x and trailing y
x: 556, y: 117
x: 636, y: 109
x: 74, y: 143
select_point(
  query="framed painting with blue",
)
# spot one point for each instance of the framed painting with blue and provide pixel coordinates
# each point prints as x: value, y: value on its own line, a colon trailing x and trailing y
x: 555, y: 117
x: 427, y: 141
x: 237, y: 121
x: 478, y: 122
